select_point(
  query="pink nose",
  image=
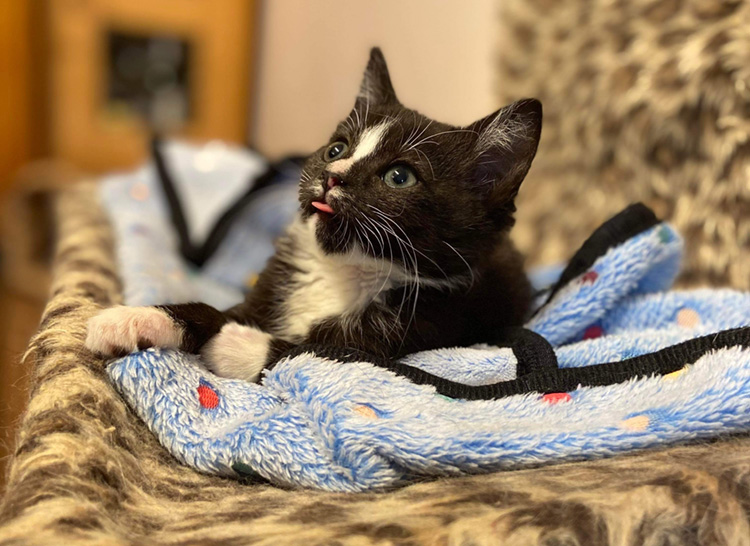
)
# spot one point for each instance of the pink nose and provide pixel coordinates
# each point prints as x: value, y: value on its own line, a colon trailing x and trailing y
x: 333, y: 180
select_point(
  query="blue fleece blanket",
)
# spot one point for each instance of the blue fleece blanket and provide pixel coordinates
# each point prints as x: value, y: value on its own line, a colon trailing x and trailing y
x: 631, y: 365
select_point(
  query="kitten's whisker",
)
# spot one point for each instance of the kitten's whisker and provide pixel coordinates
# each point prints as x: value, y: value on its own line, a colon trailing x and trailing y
x: 348, y: 124
x: 409, y: 138
x: 424, y: 141
x: 444, y: 133
x: 471, y: 270
x: 408, y: 142
x: 375, y: 224
x: 413, y: 291
x: 381, y: 269
x: 408, y: 240
x: 383, y: 213
x: 413, y: 281
x: 386, y: 117
x: 427, y: 159
x: 361, y: 244
x: 370, y: 246
x: 342, y: 224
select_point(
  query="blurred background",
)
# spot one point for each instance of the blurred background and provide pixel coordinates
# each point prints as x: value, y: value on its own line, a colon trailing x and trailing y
x: 644, y: 100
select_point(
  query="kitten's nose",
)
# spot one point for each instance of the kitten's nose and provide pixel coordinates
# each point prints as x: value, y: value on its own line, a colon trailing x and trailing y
x: 334, y: 180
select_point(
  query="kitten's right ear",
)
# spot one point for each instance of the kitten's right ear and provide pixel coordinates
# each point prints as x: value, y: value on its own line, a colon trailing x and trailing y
x: 376, y: 87
x: 506, y: 144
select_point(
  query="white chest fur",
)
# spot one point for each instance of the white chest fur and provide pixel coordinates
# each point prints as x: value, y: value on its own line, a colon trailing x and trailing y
x: 327, y: 286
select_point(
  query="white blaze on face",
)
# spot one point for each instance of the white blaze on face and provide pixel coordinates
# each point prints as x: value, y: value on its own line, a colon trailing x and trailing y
x: 367, y: 144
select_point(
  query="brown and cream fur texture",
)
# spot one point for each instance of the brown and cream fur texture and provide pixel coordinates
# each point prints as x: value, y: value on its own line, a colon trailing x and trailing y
x: 644, y: 100
x: 86, y: 471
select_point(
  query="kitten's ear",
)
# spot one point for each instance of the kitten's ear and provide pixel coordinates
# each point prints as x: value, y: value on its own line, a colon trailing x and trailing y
x: 506, y: 144
x: 376, y: 85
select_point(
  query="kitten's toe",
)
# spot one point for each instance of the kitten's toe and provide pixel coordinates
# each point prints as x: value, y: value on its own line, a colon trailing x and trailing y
x: 120, y: 330
x: 237, y: 352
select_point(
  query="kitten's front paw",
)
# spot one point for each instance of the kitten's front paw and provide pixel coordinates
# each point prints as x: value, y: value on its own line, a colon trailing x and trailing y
x: 237, y: 352
x: 120, y: 330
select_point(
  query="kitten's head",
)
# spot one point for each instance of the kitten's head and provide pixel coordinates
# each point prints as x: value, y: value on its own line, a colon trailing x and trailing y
x: 394, y: 184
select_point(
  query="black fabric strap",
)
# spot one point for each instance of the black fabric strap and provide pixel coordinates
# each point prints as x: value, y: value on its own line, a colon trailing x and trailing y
x: 199, y: 255
x: 546, y: 379
x: 635, y: 219
x: 533, y: 352
x: 176, y: 213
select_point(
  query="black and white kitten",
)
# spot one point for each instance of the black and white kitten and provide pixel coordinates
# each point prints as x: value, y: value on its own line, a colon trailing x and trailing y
x: 400, y: 245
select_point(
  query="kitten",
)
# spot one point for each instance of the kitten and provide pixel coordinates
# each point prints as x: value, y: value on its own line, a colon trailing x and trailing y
x: 400, y: 245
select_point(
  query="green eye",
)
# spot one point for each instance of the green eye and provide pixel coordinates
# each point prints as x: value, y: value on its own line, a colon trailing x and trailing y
x: 335, y: 150
x: 400, y: 176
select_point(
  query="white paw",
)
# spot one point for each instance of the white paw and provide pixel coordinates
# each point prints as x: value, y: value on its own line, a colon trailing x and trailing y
x: 121, y: 330
x: 237, y: 352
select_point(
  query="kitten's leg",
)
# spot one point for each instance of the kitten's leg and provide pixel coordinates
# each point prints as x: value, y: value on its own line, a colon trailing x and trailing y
x: 229, y: 349
x: 241, y: 352
x: 121, y: 330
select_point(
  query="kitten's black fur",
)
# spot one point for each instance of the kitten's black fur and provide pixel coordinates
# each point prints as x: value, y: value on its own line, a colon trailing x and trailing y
x: 451, y: 226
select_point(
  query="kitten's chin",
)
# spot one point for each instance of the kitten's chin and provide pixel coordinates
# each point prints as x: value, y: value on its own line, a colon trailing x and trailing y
x: 332, y: 237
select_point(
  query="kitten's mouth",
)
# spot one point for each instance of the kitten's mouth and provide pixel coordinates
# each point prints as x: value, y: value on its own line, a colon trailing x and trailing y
x: 322, y: 207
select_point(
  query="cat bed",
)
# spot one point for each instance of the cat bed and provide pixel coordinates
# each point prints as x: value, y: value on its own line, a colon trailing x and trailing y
x: 612, y: 361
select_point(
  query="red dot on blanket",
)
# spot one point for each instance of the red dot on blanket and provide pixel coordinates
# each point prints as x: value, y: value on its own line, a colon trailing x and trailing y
x: 555, y: 397
x: 207, y: 396
x: 589, y: 277
x: 593, y: 332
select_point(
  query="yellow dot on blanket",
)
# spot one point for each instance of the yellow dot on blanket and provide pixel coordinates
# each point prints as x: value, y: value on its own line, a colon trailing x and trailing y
x: 688, y: 318
x: 252, y: 280
x: 675, y: 375
x: 139, y: 191
x: 365, y: 411
x: 639, y: 422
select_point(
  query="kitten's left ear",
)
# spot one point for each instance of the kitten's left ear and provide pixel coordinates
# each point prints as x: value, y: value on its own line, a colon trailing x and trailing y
x: 376, y: 87
x: 506, y: 144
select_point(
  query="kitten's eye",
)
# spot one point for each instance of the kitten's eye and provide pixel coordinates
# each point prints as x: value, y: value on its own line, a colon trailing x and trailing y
x: 400, y: 176
x: 335, y: 150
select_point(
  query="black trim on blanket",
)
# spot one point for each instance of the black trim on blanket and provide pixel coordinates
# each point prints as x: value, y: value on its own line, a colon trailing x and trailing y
x: 533, y: 353
x: 224, y: 223
x: 545, y: 379
x: 175, y: 205
x: 635, y: 219
x: 199, y: 255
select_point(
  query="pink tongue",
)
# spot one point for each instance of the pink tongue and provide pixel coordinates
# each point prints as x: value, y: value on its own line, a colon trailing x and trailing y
x: 323, y: 207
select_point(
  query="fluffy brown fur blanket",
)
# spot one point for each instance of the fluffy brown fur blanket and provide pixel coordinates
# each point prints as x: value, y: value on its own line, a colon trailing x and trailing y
x: 644, y: 100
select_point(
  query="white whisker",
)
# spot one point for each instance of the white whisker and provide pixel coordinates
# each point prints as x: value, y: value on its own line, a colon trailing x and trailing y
x: 471, y: 270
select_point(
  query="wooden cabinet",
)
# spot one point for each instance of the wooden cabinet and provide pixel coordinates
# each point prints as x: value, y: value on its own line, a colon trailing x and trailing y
x: 95, y: 130
x: 20, y: 89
